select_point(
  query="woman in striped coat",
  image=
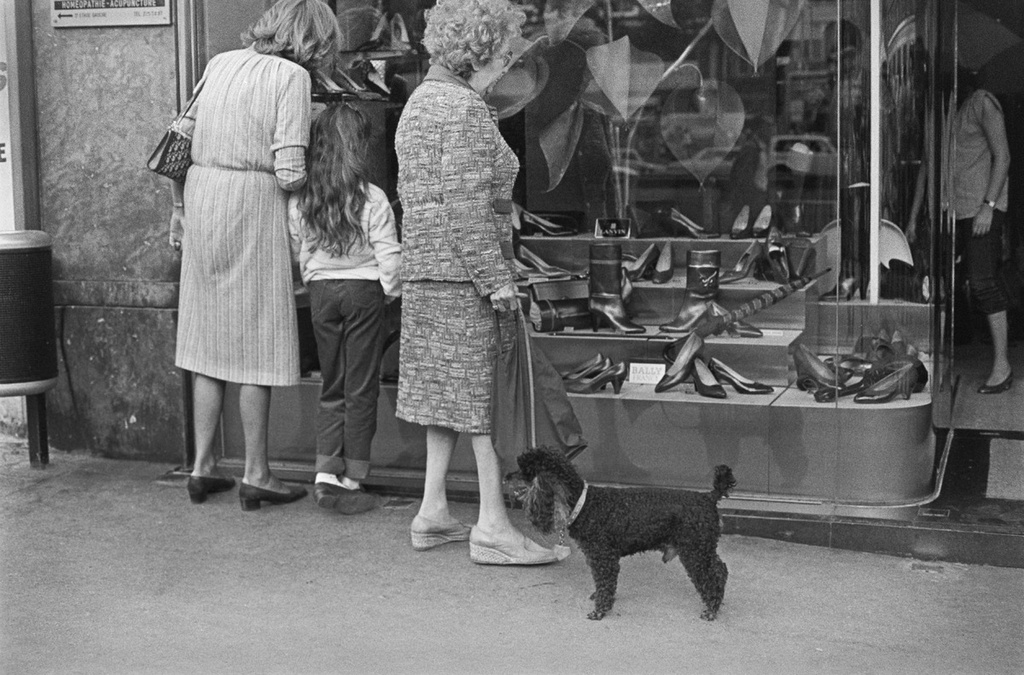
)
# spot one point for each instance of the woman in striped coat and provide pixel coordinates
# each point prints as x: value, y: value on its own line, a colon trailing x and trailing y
x: 236, y: 306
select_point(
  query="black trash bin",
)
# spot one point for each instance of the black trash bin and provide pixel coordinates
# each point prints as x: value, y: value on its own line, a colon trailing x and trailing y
x: 28, y: 347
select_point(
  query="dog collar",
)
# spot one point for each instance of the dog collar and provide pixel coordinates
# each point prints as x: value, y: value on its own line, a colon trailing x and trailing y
x: 579, y: 505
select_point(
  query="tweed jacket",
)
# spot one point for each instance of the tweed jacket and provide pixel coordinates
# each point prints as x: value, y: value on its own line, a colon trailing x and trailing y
x: 455, y: 176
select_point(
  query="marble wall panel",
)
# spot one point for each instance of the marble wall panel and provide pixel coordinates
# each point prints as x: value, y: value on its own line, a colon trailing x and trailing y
x: 104, y: 96
x: 118, y: 393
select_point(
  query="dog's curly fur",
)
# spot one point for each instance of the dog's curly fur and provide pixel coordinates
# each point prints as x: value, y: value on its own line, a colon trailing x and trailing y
x: 617, y: 522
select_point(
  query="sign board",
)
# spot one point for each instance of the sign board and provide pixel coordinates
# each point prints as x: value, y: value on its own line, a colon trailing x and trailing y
x: 6, y: 141
x: 86, y: 13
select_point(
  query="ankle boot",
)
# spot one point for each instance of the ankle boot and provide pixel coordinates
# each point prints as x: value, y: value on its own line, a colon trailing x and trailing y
x: 606, y: 288
x: 702, y: 268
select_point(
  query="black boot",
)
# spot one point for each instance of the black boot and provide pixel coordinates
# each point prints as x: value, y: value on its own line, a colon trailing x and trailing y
x: 606, y: 288
x: 702, y: 269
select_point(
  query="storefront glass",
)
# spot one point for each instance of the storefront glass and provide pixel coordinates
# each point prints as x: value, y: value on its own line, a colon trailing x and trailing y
x: 745, y: 147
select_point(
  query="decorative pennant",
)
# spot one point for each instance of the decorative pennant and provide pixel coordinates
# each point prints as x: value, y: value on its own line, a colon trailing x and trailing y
x: 754, y: 29
x: 701, y: 125
x: 561, y: 16
x: 558, y: 143
x: 624, y: 76
x: 660, y: 10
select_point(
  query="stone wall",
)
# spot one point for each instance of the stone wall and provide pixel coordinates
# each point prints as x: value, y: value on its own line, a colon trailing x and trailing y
x: 104, y: 96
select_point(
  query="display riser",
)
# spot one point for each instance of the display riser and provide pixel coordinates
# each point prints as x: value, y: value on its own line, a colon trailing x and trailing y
x: 573, y: 253
x: 781, y: 447
x: 657, y: 304
x: 850, y: 320
x: 766, y: 359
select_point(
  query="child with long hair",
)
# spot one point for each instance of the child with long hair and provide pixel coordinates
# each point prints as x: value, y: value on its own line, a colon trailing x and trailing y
x: 343, y: 230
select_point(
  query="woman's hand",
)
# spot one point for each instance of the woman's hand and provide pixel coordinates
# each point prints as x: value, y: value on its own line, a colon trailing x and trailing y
x: 177, y: 227
x: 982, y: 221
x: 505, y: 299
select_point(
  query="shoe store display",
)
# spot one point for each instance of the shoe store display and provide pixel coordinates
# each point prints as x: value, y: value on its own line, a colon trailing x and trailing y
x: 664, y: 268
x: 606, y: 299
x: 702, y: 270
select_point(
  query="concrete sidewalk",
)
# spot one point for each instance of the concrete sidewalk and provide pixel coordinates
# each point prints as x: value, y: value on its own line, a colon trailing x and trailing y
x: 107, y: 568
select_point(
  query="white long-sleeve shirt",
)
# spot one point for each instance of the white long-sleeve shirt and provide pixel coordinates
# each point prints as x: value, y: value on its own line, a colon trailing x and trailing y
x: 378, y: 259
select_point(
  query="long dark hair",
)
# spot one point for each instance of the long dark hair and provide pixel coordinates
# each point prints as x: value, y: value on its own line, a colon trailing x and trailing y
x: 337, y: 179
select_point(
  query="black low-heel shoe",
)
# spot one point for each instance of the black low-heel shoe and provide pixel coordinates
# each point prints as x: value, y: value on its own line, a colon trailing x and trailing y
x: 250, y: 496
x: 614, y: 374
x: 200, y: 486
x: 743, y: 385
x: 705, y: 381
x: 997, y: 388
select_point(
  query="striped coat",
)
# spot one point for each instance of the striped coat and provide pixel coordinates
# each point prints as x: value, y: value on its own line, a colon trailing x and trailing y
x: 236, y: 305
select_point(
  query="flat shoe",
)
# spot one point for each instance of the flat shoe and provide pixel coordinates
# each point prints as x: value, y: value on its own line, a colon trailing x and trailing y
x: 435, y: 534
x: 483, y: 553
x: 251, y: 496
x: 200, y: 486
x: 343, y: 500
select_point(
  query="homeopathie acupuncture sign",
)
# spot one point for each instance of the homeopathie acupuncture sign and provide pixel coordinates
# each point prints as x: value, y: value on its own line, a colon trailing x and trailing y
x: 87, y: 13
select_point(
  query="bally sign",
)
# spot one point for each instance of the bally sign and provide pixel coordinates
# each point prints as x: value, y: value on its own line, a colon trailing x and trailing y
x: 84, y: 13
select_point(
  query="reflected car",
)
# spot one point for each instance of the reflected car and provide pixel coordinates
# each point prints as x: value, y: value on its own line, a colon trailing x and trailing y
x: 807, y: 154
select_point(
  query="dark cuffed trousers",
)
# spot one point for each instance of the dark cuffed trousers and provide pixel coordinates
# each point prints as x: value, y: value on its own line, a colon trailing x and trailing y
x: 347, y: 318
x: 984, y: 256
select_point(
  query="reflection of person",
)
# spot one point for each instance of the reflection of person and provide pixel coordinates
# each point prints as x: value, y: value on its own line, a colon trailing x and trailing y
x: 455, y: 176
x: 236, y: 309
x: 343, y: 229
x: 979, y: 195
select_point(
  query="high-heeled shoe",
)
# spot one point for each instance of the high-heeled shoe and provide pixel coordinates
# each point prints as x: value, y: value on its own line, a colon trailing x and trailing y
x: 588, y: 368
x: 778, y: 258
x: 740, y: 329
x: 637, y: 269
x: 902, y: 381
x: 741, y: 225
x: 741, y: 384
x: 250, y: 496
x: 614, y: 374
x: 702, y: 269
x: 997, y: 388
x: 545, y: 226
x: 534, y: 261
x: 743, y: 266
x: 200, y: 486
x: 689, y: 227
x: 805, y: 262
x: 682, y: 365
x: 705, y: 382
x: 664, y: 268
x: 764, y: 219
x: 811, y: 372
x: 399, y: 33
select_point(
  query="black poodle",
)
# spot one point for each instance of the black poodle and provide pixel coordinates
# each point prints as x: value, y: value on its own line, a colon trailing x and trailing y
x: 609, y: 523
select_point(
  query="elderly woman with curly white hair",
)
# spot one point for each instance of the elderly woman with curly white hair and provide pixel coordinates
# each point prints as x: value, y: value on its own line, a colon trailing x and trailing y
x: 455, y: 176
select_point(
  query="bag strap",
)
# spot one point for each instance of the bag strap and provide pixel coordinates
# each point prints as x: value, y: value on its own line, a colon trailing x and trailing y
x: 523, y: 341
x: 528, y: 348
x: 192, y: 100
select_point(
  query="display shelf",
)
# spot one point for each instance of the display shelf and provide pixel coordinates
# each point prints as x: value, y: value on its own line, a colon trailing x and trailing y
x: 766, y: 359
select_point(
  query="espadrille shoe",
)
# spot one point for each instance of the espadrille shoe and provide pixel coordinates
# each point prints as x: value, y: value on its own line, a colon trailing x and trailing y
x: 426, y: 533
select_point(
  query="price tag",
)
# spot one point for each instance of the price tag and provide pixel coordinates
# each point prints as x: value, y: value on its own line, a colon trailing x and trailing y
x: 771, y: 332
x: 646, y: 373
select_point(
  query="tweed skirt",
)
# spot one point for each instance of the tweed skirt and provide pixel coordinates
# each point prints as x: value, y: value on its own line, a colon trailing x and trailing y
x: 446, y: 360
